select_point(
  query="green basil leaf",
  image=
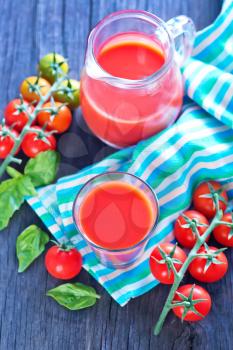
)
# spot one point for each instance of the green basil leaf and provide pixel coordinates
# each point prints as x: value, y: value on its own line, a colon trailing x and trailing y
x: 29, y: 245
x: 12, y: 172
x: 74, y: 296
x: 43, y: 168
x: 12, y: 193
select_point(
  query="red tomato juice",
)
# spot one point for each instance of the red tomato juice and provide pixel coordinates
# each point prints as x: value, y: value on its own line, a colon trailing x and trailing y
x: 131, y: 56
x: 122, y: 116
x: 116, y: 215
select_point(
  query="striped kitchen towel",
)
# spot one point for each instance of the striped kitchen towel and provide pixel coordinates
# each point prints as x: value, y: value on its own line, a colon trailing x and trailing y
x: 197, y: 147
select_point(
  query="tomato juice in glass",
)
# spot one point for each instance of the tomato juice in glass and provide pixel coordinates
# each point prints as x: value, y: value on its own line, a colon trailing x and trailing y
x: 116, y: 213
x: 131, y: 85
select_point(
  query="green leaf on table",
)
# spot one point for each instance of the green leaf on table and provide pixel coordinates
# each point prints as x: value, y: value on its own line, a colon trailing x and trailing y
x: 74, y: 296
x: 12, y: 193
x: 42, y: 169
x: 29, y: 245
x: 12, y: 172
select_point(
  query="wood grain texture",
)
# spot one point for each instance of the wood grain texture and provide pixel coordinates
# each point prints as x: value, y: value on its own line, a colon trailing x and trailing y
x: 29, y: 320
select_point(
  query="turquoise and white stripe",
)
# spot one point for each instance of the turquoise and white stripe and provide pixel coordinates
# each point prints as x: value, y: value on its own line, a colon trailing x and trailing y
x: 197, y: 147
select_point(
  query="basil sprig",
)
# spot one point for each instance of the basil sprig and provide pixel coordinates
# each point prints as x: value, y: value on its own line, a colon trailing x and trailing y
x: 12, y: 193
x: 43, y: 168
x: 38, y: 171
x: 29, y: 245
x: 74, y: 296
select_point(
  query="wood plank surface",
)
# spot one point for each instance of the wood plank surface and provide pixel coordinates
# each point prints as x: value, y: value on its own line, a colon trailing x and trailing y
x: 29, y: 320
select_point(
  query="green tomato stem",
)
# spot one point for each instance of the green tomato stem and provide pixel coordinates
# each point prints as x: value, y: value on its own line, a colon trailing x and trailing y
x: 16, y: 160
x: 178, y: 276
x: 229, y: 224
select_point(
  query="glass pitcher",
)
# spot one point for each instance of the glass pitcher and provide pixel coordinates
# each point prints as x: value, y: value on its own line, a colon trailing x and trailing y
x: 122, y: 111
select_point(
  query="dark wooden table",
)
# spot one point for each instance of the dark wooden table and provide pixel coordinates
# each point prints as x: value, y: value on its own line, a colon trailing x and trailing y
x: 29, y: 320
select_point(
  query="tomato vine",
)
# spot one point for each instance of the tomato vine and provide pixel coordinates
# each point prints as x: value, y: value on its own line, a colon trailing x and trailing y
x: 178, y: 275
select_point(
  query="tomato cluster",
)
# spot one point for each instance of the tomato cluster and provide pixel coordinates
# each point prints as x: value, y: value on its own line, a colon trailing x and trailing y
x: 55, y: 115
x: 209, y: 265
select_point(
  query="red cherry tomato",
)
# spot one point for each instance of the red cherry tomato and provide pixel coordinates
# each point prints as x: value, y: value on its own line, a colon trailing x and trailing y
x: 33, y: 143
x: 202, y: 307
x: 63, y: 264
x: 14, y: 114
x: 60, y: 122
x: 216, y: 270
x: 203, y: 201
x: 6, y: 144
x: 184, y: 235
x: 160, y: 270
x: 223, y: 233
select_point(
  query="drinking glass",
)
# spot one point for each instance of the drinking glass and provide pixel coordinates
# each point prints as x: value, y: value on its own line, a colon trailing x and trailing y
x: 116, y: 258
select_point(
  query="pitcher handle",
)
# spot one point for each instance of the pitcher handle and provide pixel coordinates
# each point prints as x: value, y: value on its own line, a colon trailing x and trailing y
x: 183, y: 31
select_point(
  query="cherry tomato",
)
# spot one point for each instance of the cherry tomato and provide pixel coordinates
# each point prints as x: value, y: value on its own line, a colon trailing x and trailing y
x: 59, y: 122
x: 26, y: 88
x: 34, y: 143
x: 192, y: 292
x: 217, y: 267
x: 160, y: 270
x: 6, y: 143
x: 223, y: 233
x: 70, y: 93
x: 50, y: 65
x: 184, y: 235
x: 63, y: 264
x: 14, y: 114
x: 203, y: 198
